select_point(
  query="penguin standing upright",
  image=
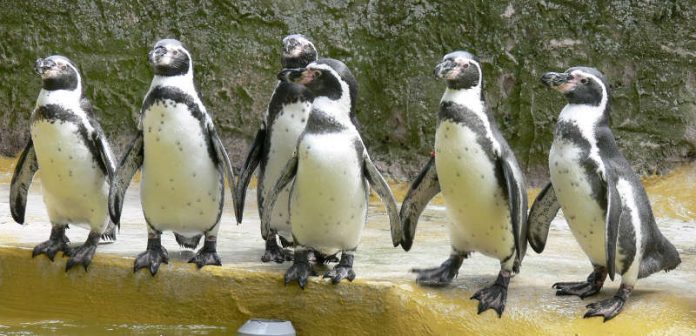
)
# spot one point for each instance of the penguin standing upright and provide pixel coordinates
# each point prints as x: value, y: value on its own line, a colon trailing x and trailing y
x: 70, y: 148
x: 275, y: 143
x: 183, y: 163
x: 479, y: 177
x: 331, y: 171
x: 603, y: 200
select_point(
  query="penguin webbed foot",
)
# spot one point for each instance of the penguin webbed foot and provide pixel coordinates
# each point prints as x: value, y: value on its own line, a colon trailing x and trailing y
x: 151, y: 259
x: 583, y: 289
x: 300, y: 270
x: 494, y: 296
x: 344, y: 270
x: 207, y: 255
x: 81, y: 255
x: 57, y: 242
x: 441, y: 275
x: 610, y: 307
x: 275, y: 252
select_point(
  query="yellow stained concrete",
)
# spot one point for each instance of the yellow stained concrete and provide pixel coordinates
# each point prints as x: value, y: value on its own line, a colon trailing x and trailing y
x: 109, y: 292
x: 383, y: 300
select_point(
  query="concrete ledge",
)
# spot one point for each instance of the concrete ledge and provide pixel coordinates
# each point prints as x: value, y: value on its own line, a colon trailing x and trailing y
x: 180, y: 294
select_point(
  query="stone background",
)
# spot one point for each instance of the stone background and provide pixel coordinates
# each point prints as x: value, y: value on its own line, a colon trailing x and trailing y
x: 646, y: 48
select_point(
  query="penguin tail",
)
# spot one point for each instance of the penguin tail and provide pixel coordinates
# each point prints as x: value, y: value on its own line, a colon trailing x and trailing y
x: 109, y: 233
x: 661, y: 256
x: 190, y: 243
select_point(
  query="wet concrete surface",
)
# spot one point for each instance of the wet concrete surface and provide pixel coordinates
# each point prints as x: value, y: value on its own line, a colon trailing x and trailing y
x: 530, y: 296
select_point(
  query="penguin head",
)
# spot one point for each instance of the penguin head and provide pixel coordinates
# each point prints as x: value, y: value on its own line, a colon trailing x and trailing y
x: 298, y: 51
x: 461, y: 70
x: 58, y: 73
x: 169, y: 57
x: 580, y: 85
x: 325, y: 77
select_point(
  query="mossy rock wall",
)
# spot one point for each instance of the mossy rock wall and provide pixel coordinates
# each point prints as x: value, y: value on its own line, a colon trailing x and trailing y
x: 646, y: 48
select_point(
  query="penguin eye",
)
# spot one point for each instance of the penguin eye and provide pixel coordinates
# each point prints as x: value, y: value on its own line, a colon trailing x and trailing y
x: 584, y: 81
x: 175, y: 52
x: 316, y: 73
x: 466, y: 65
x: 62, y: 66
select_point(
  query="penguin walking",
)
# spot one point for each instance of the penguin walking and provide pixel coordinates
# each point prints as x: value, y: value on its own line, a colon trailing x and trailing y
x: 69, y: 146
x: 274, y: 144
x: 478, y: 175
x: 602, y: 198
x: 183, y: 163
x: 331, y: 170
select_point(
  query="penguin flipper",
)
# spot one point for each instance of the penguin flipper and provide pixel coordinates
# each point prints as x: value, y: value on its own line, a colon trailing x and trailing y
x: 130, y: 163
x: 382, y: 189
x: 543, y: 211
x: 286, y: 175
x: 224, y: 159
x: 26, y: 167
x: 423, y: 189
x: 517, y: 203
x: 612, y: 219
x: 99, y: 141
x: 252, y: 161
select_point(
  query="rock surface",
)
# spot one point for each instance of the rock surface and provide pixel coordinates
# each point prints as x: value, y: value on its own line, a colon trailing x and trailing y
x: 647, y: 49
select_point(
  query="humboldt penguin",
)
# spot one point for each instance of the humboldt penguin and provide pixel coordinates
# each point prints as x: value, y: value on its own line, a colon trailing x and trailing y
x: 331, y: 172
x: 69, y: 146
x: 482, y: 184
x: 602, y: 198
x: 275, y: 143
x: 183, y: 162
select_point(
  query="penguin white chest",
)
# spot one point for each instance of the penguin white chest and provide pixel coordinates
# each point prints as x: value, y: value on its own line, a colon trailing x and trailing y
x: 182, y: 189
x: 285, y: 131
x: 74, y: 187
x: 480, y: 218
x: 585, y: 217
x: 328, y: 205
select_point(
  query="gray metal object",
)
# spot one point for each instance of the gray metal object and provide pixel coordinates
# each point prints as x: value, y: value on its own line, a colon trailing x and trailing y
x: 263, y: 327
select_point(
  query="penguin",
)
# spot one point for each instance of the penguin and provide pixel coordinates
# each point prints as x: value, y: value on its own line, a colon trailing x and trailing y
x: 182, y: 159
x: 602, y: 198
x: 480, y: 179
x: 275, y: 143
x: 331, y: 172
x: 68, y: 145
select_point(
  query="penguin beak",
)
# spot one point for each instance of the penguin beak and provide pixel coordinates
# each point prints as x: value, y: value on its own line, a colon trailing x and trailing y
x: 443, y: 68
x: 562, y: 82
x: 155, y: 54
x: 41, y: 66
x: 302, y: 76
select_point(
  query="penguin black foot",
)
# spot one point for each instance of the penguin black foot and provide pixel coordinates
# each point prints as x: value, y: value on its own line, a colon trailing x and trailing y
x: 58, y: 241
x: 83, y: 254
x: 207, y: 255
x: 439, y: 276
x: 300, y: 269
x: 151, y: 259
x: 583, y: 289
x: 495, y: 296
x: 274, y: 252
x: 189, y: 243
x: 344, y: 270
x: 611, y: 307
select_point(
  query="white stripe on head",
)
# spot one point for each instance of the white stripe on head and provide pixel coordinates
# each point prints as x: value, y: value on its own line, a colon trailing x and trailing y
x: 343, y: 104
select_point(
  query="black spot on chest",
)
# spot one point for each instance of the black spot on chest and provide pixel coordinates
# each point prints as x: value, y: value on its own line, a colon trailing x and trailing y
x: 161, y: 94
x: 53, y: 113
x: 461, y: 115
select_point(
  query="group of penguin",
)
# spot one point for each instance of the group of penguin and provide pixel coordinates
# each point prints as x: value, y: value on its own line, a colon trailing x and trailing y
x: 315, y: 174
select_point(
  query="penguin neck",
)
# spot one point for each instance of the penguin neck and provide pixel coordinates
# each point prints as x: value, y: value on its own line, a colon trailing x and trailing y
x: 183, y: 82
x: 585, y: 116
x: 60, y: 97
x: 470, y: 98
x: 338, y: 109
